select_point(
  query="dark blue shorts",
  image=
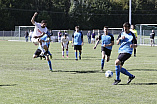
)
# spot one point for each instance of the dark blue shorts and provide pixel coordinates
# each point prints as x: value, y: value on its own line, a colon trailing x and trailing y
x: 77, y: 47
x: 123, y: 57
x: 107, y: 51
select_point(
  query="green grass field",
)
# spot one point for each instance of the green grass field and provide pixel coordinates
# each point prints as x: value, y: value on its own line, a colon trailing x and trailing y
x: 24, y: 80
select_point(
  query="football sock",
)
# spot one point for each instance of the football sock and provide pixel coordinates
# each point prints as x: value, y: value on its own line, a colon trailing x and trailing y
x: 49, y: 63
x: 49, y: 53
x: 117, y: 69
x: 124, y: 71
x: 79, y: 54
x: 67, y: 52
x: 102, y: 63
x: 62, y: 53
x: 76, y: 55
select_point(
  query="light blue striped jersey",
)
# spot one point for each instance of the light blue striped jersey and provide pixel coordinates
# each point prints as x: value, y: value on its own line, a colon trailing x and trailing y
x: 106, y: 39
x: 78, y: 36
x: 125, y: 43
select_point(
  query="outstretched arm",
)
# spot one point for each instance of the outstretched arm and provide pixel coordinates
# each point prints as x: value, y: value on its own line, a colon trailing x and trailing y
x: 33, y: 18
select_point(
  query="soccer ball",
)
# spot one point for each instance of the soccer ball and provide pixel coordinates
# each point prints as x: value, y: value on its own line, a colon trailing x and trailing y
x: 109, y: 74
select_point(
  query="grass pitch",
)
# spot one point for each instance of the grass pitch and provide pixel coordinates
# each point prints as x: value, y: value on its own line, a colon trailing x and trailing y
x: 24, y: 80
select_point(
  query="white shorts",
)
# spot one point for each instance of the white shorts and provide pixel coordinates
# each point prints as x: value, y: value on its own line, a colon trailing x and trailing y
x: 93, y: 39
x: 35, y: 41
x: 65, y: 46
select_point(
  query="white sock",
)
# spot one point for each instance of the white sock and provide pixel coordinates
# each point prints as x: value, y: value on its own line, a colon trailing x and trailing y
x: 62, y: 53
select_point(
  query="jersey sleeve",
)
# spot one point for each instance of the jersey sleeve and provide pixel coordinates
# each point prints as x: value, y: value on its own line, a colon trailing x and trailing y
x: 112, y: 37
x: 119, y: 36
x: 81, y: 35
x: 134, y: 41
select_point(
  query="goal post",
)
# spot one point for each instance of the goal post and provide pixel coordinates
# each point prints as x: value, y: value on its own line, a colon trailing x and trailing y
x: 20, y: 31
x: 144, y: 31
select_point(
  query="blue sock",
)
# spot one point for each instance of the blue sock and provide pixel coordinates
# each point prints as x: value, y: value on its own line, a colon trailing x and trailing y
x: 49, y: 63
x: 49, y: 53
x: 76, y: 55
x: 124, y: 71
x: 79, y: 54
x: 102, y: 63
x: 117, y: 68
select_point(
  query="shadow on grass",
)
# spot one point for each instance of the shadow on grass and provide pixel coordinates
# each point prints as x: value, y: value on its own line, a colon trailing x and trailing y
x: 139, y: 84
x: 8, y: 85
x: 143, y: 70
x: 75, y: 72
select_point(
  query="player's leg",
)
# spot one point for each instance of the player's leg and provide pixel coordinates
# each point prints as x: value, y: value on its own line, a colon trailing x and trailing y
x: 49, y: 63
x: 102, y: 60
x: 37, y: 53
x: 80, y: 52
x: 63, y: 51
x: 67, y: 52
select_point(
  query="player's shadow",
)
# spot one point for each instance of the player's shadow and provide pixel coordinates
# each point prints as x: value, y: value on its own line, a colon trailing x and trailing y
x: 8, y: 85
x: 143, y: 70
x: 139, y: 84
x: 75, y: 72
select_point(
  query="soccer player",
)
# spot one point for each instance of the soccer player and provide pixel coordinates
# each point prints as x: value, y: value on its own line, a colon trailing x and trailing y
x: 152, y: 35
x: 64, y: 44
x: 77, y: 42
x: 127, y: 41
x: 39, y: 30
x: 106, y: 46
x: 39, y: 51
x: 135, y: 32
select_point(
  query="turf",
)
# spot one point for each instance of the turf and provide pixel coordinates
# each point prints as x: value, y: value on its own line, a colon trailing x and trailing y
x: 24, y: 80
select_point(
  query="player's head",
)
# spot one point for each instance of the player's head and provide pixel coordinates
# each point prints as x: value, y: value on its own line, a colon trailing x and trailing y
x: 152, y: 30
x: 77, y: 28
x: 43, y: 23
x: 106, y: 29
x: 126, y: 27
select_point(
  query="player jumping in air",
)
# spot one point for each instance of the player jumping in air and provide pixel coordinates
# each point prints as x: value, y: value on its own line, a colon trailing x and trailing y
x: 106, y: 46
x: 45, y: 42
x: 39, y: 30
x: 127, y: 41
x: 64, y: 44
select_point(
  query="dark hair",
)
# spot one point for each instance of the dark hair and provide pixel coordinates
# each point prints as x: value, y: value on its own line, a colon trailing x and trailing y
x: 126, y: 24
x: 44, y: 21
x: 106, y: 27
x: 76, y: 26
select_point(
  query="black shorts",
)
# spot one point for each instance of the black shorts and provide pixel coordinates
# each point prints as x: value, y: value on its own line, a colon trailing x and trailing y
x: 77, y: 47
x: 37, y: 52
x: 107, y: 51
x: 123, y: 57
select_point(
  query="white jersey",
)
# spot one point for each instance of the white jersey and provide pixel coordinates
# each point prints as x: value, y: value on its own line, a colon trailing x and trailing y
x: 65, y: 41
x: 38, y: 30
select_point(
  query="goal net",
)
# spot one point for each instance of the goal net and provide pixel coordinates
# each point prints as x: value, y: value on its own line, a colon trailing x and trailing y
x: 144, y: 31
x: 20, y: 31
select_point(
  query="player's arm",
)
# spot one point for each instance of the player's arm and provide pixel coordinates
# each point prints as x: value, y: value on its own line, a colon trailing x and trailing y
x: 33, y: 18
x: 97, y: 42
x: 82, y: 38
x: 134, y: 45
x: 72, y: 39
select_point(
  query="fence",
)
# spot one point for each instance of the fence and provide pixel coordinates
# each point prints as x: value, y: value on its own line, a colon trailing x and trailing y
x: 10, y: 35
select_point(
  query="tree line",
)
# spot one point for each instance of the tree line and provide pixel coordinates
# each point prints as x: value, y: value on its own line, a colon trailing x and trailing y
x: 65, y: 14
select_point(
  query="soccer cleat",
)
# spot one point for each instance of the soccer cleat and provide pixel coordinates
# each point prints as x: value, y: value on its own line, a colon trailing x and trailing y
x: 116, y: 82
x: 40, y: 58
x: 80, y: 57
x: 130, y: 79
x: 63, y: 56
x: 134, y: 55
x: 76, y: 59
x: 67, y: 56
x: 102, y: 69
